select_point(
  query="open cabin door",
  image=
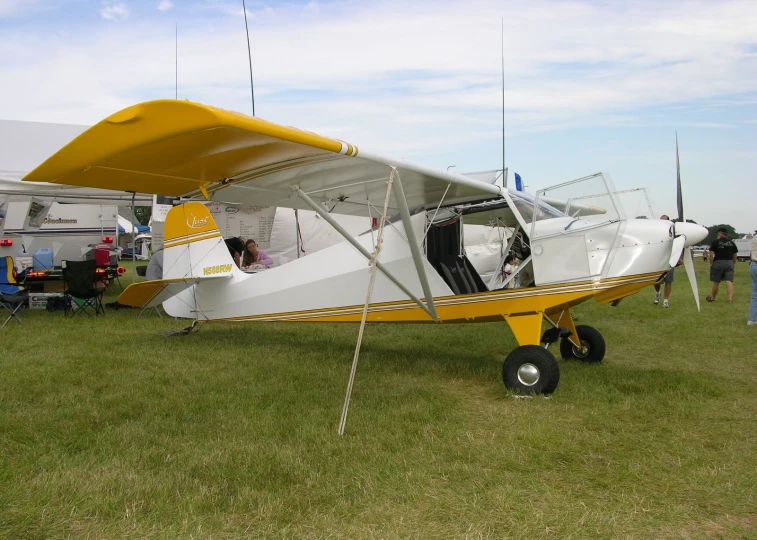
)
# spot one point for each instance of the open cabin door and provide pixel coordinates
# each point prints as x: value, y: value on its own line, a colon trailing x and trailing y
x: 573, y: 228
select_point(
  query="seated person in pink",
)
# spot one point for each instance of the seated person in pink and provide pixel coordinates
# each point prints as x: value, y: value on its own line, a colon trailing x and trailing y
x: 252, y: 255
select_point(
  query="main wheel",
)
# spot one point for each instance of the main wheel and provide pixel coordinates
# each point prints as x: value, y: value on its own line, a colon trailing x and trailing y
x: 531, y: 369
x: 592, y: 348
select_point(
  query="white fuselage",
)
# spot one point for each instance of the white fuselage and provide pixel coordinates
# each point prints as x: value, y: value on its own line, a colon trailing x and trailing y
x: 338, y: 276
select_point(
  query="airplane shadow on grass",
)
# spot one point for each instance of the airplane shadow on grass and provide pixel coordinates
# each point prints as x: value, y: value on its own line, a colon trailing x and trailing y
x: 454, y: 355
x: 414, y: 352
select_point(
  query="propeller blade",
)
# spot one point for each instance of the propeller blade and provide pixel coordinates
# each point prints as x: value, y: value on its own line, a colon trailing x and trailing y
x: 679, y: 242
x: 688, y: 263
x: 679, y: 193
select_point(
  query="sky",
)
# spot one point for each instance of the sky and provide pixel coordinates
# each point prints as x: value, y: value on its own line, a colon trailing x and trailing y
x: 589, y: 85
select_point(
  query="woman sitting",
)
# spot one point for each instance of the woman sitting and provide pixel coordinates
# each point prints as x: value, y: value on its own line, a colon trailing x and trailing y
x: 252, y: 255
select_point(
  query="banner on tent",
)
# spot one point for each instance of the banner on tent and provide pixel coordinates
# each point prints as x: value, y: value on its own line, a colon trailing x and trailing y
x: 245, y: 221
x: 160, y: 207
x: 156, y: 231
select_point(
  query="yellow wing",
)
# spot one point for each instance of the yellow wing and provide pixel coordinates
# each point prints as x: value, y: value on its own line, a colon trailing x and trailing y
x: 179, y: 148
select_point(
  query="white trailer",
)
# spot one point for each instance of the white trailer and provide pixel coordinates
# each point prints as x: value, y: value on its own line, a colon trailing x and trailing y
x: 77, y: 218
x: 744, y: 245
x: 68, y: 230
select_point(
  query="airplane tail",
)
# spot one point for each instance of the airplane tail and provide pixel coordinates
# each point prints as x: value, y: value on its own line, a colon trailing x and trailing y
x: 193, y: 245
x: 193, y: 250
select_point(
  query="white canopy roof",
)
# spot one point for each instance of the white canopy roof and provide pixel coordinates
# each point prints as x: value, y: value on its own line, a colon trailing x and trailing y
x: 24, y: 145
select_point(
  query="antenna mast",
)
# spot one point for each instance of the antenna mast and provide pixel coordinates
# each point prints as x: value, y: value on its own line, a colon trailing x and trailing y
x: 249, y: 56
x: 504, y: 177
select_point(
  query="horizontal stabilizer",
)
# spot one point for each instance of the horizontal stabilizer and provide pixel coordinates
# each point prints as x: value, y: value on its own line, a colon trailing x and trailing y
x: 151, y: 293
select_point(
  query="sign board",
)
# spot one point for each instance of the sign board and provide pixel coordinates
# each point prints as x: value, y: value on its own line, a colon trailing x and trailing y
x: 244, y: 221
x: 160, y: 207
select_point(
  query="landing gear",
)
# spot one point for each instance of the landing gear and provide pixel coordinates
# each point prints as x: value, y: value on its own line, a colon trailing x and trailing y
x: 592, y: 349
x: 531, y: 369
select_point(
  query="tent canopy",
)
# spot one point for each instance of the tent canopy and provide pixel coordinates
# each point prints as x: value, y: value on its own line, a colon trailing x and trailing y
x: 124, y: 226
x: 24, y: 145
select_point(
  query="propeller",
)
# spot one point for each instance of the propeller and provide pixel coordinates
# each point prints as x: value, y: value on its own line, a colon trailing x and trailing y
x: 688, y: 264
x: 679, y: 243
x: 687, y: 234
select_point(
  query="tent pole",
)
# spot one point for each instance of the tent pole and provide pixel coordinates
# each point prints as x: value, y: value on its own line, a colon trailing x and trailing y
x: 133, y: 240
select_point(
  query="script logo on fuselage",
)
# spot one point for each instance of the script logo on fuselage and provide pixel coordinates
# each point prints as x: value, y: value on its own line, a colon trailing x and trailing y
x: 194, y: 223
x: 217, y: 269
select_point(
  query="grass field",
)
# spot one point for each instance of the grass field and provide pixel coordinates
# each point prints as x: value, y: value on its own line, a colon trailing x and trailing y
x: 109, y: 429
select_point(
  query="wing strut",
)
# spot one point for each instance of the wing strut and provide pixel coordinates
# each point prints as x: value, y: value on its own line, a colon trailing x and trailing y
x: 399, y: 195
x: 330, y: 220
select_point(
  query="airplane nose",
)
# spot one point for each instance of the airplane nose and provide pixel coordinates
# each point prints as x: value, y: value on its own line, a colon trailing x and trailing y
x: 694, y: 233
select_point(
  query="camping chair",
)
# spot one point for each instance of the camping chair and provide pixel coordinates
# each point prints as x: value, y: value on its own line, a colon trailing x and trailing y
x: 12, y: 294
x: 80, y: 279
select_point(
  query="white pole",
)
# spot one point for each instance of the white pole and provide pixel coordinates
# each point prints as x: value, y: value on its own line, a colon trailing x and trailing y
x: 133, y: 240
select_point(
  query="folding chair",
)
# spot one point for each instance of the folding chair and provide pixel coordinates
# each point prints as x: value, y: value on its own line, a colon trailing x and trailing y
x: 12, y: 294
x: 80, y: 279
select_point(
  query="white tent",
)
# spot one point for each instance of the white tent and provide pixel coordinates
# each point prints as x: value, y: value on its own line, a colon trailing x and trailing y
x: 24, y: 145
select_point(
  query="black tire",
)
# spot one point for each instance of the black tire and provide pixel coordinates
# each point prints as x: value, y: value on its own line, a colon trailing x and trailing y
x: 593, y: 342
x: 531, y: 369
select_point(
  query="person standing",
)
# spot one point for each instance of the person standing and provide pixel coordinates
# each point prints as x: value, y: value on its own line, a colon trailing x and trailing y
x: 753, y: 272
x: 667, y: 280
x: 722, y: 261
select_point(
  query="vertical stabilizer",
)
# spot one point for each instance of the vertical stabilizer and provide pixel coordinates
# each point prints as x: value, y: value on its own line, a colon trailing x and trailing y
x: 194, y: 247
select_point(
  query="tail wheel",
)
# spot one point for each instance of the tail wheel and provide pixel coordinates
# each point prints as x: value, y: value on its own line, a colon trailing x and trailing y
x: 592, y: 349
x: 531, y: 369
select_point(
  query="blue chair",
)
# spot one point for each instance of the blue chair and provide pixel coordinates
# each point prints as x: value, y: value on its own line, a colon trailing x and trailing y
x: 13, y: 297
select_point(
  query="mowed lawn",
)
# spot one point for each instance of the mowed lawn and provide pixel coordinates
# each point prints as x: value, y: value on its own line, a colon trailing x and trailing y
x: 109, y: 429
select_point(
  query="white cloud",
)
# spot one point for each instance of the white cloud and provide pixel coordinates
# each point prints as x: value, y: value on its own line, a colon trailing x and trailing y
x: 10, y: 8
x: 165, y: 5
x: 114, y: 11
x: 563, y: 61
x: 419, y: 80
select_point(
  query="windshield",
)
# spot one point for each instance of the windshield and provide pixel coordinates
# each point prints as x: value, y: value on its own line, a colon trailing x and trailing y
x: 526, y: 205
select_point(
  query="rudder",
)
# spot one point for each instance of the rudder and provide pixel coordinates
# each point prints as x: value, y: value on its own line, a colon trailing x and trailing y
x: 193, y: 245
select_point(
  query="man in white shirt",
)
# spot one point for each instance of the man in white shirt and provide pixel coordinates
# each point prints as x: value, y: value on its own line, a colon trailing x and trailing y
x: 753, y: 271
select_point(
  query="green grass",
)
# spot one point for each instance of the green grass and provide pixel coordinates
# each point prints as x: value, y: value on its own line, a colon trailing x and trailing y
x: 109, y: 429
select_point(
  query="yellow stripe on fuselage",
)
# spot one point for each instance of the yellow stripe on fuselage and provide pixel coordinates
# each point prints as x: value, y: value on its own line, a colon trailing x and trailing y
x: 480, y: 307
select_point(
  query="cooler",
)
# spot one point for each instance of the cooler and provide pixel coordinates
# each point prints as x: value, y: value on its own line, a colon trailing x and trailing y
x: 102, y: 254
x: 42, y: 259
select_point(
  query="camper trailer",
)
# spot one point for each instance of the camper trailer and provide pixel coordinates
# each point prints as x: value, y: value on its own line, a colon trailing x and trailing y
x: 68, y: 230
x: 744, y: 245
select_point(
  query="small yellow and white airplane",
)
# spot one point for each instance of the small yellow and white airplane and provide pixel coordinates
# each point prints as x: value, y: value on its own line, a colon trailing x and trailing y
x: 411, y: 268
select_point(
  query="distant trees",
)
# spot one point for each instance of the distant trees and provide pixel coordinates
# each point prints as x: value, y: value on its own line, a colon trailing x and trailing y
x: 713, y: 230
x: 143, y: 213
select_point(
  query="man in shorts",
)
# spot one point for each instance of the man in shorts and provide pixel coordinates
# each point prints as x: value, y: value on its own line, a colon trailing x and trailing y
x: 667, y: 280
x: 722, y: 261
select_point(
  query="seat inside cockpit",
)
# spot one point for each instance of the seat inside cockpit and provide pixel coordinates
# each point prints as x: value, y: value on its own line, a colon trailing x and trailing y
x: 444, y: 250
